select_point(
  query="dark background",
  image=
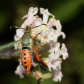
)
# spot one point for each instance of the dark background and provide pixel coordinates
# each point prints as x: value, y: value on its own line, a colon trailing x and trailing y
x: 71, y: 15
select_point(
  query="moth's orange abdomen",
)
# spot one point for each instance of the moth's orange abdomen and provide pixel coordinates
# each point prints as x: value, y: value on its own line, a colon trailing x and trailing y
x: 26, y: 59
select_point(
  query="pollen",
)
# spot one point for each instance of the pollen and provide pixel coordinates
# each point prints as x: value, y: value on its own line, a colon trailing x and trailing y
x: 45, y: 38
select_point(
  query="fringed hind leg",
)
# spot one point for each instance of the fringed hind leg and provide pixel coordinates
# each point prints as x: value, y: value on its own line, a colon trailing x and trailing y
x: 43, y: 65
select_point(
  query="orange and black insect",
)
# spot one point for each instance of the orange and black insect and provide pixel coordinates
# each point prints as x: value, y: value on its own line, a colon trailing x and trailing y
x: 28, y: 51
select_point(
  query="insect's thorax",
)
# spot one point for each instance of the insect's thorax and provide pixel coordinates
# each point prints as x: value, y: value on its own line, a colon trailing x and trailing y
x: 27, y: 40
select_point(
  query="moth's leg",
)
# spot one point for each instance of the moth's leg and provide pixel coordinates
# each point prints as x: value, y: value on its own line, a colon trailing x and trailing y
x: 43, y: 65
x: 32, y: 68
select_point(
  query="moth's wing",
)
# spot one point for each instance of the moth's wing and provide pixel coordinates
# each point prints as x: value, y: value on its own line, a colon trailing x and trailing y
x: 41, y: 48
x: 8, y: 51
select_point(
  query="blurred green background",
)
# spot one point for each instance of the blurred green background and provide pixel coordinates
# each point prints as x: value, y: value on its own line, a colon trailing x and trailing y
x: 71, y: 15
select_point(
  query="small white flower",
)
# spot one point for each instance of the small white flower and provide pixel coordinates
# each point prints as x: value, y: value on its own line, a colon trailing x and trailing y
x: 59, y: 27
x: 53, y: 35
x: 27, y: 22
x: 46, y: 14
x: 54, y: 47
x: 36, y: 30
x: 32, y: 11
x: 57, y: 75
x: 48, y: 35
x: 16, y: 38
x: 20, y: 71
x: 54, y: 63
x: 44, y: 37
x: 30, y: 17
x: 52, y: 22
x: 37, y: 21
x: 19, y: 34
x: 64, y: 51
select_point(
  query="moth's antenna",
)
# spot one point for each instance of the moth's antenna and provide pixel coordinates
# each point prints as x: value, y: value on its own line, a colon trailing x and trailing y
x: 16, y: 27
x: 39, y: 25
x: 23, y: 28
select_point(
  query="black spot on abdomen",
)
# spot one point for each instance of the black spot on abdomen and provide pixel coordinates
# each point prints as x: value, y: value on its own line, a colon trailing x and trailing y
x: 24, y: 58
x: 24, y: 54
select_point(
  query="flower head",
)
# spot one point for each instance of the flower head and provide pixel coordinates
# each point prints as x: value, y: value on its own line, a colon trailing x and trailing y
x: 45, y: 34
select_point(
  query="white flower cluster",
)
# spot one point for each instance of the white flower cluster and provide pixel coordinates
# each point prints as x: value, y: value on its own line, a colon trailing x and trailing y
x: 47, y: 34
